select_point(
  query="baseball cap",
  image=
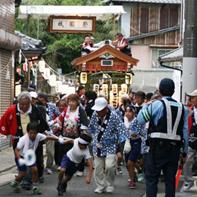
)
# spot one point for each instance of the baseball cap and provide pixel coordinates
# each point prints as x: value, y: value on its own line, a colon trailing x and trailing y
x: 33, y: 94
x: 100, y: 104
x: 194, y: 93
x: 166, y: 87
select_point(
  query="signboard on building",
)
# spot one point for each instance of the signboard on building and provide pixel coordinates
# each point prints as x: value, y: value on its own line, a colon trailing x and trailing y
x: 72, y: 24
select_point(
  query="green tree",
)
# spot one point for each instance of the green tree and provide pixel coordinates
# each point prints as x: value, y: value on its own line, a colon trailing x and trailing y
x: 62, y: 48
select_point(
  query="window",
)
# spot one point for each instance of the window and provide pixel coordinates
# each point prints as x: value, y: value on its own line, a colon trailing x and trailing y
x: 156, y: 53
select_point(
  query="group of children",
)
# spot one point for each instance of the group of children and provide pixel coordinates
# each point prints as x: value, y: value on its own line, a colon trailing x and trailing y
x: 69, y: 162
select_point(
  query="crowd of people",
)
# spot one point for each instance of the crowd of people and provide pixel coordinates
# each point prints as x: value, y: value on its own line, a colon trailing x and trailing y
x: 148, y: 133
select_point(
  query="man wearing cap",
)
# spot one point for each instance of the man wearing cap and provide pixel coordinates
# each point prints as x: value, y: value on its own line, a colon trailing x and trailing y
x: 167, y: 133
x: 107, y: 130
x: 187, y: 170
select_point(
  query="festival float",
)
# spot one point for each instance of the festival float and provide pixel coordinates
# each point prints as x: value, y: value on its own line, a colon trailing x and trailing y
x: 107, y: 71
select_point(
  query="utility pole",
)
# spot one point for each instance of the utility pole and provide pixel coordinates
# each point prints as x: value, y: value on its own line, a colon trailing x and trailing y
x: 190, y: 48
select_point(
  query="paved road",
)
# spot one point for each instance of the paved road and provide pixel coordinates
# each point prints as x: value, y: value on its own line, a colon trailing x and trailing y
x: 77, y: 187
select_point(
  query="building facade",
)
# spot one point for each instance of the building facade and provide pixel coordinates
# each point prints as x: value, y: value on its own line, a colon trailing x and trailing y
x: 9, y: 42
x: 153, y: 28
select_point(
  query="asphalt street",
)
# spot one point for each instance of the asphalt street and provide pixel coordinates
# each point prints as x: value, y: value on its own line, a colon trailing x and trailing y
x: 78, y: 187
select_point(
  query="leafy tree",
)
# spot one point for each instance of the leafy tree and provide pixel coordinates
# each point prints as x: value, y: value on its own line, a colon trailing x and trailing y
x: 62, y: 48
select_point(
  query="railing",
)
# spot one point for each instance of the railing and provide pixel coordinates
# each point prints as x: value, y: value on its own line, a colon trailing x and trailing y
x: 60, y: 77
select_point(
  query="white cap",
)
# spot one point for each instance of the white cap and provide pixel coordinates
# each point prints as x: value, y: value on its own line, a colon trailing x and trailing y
x: 100, y: 104
x: 194, y: 93
x: 33, y: 94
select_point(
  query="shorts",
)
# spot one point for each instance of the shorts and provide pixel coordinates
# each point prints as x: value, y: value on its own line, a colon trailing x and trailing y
x: 69, y: 166
x: 135, y: 152
x: 23, y: 168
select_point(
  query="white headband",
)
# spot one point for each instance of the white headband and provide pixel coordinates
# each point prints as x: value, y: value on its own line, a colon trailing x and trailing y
x: 82, y: 141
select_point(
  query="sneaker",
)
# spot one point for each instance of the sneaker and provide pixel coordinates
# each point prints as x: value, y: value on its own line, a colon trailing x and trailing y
x: 186, y: 187
x: 132, y: 185
x: 140, y: 177
x: 79, y: 173
x: 110, y: 189
x: 99, y: 190
x: 36, y: 191
x: 16, y: 186
x: 49, y: 171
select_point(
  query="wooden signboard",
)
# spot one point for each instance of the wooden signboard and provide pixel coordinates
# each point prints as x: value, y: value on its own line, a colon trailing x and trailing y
x: 72, y: 24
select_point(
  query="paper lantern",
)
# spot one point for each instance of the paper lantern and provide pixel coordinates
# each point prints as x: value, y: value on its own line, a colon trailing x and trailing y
x: 83, y: 77
x: 41, y: 65
x: 114, y: 88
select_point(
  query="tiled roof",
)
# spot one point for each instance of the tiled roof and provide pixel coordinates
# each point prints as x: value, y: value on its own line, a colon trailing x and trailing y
x: 150, y: 1
x: 154, y: 33
x: 174, y: 55
x: 29, y: 43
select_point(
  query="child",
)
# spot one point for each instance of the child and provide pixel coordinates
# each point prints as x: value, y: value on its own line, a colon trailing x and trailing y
x: 29, y: 141
x: 72, y: 159
x: 132, y: 155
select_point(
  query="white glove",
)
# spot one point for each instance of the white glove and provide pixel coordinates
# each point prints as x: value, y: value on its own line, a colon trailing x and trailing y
x: 61, y: 140
x: 50, y: 123
x: 56, y: 125
x: 21, y: 162
x: 127, y: 146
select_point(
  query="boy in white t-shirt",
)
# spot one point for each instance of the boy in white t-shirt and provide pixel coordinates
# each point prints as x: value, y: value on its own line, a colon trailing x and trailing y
x: 29, y: 141
x: 71, y: 160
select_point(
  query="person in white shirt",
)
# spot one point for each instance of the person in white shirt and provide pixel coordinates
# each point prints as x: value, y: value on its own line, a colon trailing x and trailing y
x: 72, y: 159
x: 28, y: 142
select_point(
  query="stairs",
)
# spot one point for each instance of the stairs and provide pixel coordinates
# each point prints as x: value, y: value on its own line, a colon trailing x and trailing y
x: 59, y: 84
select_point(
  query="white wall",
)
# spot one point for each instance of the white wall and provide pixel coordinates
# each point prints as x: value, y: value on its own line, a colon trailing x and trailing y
x: 148, y: 80
x: 126, y: 21
x: 143, y: 53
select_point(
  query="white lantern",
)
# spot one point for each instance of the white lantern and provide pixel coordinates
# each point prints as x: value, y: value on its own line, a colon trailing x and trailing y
x: 105, y: 89
x: 47, y: 73
x: 52, y: 80
x: 83, y: 77
x: 41, y: 65
x: 124, y: 88
x: 114, y: 88
x: 58, y: 86
x: 96, y: 88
